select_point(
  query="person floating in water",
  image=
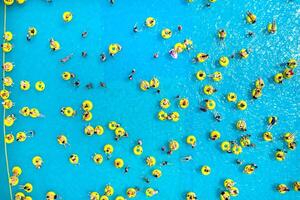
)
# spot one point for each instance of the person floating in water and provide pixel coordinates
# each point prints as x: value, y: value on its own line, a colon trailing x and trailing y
x: 103, y: 57
x: 84, y: 34
x: 67, y: 58
x: 130, y: 77
x: 187, y: 158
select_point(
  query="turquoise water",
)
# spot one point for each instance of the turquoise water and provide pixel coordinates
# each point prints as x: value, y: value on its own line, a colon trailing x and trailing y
x: 124, y: 102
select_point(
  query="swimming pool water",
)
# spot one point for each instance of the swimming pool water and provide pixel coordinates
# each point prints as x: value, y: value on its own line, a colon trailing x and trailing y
x: 125, y: 103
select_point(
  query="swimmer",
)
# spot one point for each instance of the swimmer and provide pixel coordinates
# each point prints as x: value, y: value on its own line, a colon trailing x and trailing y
x: 102, y: 84
x: 272, y: 121
x: 126, y: 170
x: 165, y: 163
x: 222, y: 34
x: 103, y: 57
x: 28, y: 37
x: 89, y: 86
x: 163, y: 148
x: 179, y: 28
x: 140, y: 142
x: 130, y: 77
x: 239, y: 162
x: 136, y: 29
x: 146, y: 180
x: 173, y: 54
x: 186, y: 158
x: 84, y: 54
x: 112, y: 2
x: 250, y: 34
x: 158, y: 91
x: 76, y: 83
x: 84, y: 34
x: 67, y: 58
x: 156, y: 55
x: 217, y: 116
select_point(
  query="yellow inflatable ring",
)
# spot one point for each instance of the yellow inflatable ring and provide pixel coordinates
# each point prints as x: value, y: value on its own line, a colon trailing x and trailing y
x: 28, y: 187
x: 37, y: 161
x: 278, y: 78
x: 217, y: 76
x: 119, y: 163
x: 175, y: 116
x: 54, y: 45
x: 131, y: 192
x: 224, y: 61
x: 8, y: 66
x: 4, y: 94
x: 40, y: 86
x: 268, y: 136
x: 120, y: 198
x: 62, y: 139
x: 150, y: 192
x: 154, y: 82
x: 137, y: 150
x: 179, y: 47
x: 166, y: 33
x: 205, y: 170
x: 21, y: 2
x: 34, y: 113
x: 200, y: 75
x: 225, y: 146
x: 241, y: 125
x: 87, y: 105
x: 242, y: 105
x: 32, y: 31
x: 114, y: 49
x: 7, y: 104
x: 244, y: 53
x: 108, y: 149
x: 99, y: 130
x: 245, y: 141
x: 74, y: 159
x: 251, y: 18
x: 208, y: 89
x: 13, y: 181
x: 113, y: 125
x: 7, y: 36
x: 9, y: 120
x: 210, y: 104
x: 202, y: 57
x: 191, y: 140
x: 7, y: 47
x: 231, y: 97
x: 51, y: 195
x: 292, y: 63
x: 272, y: 27
x: 66, y: 76
x: 89, y: 130
x: 150, y: 161
x: 24, y: 85
x: 296, y: 185
x: 7, y: 81
x: 162, y: 115
x: 8, y: 2
x: 21, y: 136
x: 108, y: 190
x: 165, y: 103
x: 150, y: 22
x: 87, y: 116
x: 229, y: 183
x: 288, y: 73
x: 191, y: 196
x: 282, y: 188
x: 234, y: 191
x: 157, y: 173
x: 289, y: 137
x: 215, y: 135
x: 184, y: 103
x: 120, y: 132
x: 95, y: 195
x: 145, y: 85
x: 280, y: 155
x: 173, y: 145
x: 67, y: 16
x: 17, y: 171
x: 9, y: 138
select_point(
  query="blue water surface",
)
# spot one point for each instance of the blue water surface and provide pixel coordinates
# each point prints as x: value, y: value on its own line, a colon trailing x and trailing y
x: 136, y: 110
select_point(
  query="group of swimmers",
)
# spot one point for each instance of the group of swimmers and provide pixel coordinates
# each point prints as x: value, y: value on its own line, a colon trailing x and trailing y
x: 208, y: 105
